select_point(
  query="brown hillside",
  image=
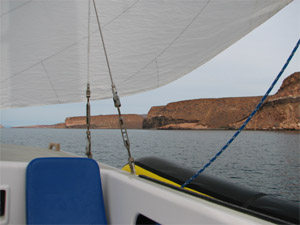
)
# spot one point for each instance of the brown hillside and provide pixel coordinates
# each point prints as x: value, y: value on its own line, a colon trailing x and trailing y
x: 280, y: 111
x: 132, y: 121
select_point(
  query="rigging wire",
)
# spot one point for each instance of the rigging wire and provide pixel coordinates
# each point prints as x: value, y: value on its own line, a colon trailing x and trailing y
x: 247, y: 120
x: 88, y: 91
x: 116, y: 99
x: 103, y: 44
x: 89, y: 42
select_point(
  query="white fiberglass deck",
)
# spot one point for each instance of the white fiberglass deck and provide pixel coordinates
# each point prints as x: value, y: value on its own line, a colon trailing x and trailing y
x: 125, y: 196
x: 18, y: 153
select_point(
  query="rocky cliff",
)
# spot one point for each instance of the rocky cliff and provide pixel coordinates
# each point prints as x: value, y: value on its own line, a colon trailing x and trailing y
x: 280, y: 111
x: 277, y: 114
x: 132, y: 121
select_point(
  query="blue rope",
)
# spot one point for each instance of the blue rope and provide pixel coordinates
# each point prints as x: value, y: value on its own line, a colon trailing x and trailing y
x: 247, y: 121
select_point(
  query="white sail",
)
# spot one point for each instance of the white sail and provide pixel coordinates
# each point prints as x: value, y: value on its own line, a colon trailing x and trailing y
x: 149, y: 44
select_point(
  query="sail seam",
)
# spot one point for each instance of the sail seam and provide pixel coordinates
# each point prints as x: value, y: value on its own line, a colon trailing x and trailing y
x: 20, y: 6
x: 157, y: 69
x: 172, y: 42
x: 69, y: 46
x: 50, y: 81
x: 45, y: 59
x: 120, y: 14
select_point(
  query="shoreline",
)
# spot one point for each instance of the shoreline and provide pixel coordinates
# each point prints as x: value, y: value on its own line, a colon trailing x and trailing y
x: 179, y: 129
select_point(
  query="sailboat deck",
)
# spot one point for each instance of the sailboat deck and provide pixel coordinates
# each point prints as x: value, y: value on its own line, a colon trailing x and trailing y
x: 9, y: 152
x: 119, y: 189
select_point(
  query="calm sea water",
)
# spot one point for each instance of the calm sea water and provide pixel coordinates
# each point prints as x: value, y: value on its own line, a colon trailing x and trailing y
x: 261, y: 160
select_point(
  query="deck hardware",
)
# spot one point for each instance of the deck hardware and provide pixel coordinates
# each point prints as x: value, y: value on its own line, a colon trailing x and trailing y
x: 116, y: 98
x: 88, y: 148
x: 88, y: 123
x: 55, y: 145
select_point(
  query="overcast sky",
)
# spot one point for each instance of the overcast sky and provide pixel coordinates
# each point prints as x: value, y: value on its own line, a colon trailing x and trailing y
x: 247, y: 68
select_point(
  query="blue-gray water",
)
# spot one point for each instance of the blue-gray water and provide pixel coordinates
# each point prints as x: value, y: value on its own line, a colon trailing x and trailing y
x: 261, y: 160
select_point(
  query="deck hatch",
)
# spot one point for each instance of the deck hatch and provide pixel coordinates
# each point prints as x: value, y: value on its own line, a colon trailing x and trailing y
x: 2, y: 202
x: 141, y: 220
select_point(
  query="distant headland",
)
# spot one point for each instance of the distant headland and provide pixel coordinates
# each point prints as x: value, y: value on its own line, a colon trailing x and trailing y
x: 279, y: 112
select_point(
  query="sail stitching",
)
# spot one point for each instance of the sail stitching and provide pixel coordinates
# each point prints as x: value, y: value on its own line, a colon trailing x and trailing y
x: 172, y: 42
x: 43, y: 60
x: 25, y: 3
x: 50, y: 81
x: 69, y: 46
x: 157, y: 69
x: 131, y: 6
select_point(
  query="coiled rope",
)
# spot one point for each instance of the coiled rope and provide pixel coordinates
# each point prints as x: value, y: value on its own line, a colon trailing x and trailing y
x: 247, y: 120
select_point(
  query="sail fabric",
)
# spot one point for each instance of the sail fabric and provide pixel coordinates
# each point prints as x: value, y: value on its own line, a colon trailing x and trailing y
x: 149, y: 44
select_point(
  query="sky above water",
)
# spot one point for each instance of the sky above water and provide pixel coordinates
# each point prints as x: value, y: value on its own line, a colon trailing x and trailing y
x: 247, y: 68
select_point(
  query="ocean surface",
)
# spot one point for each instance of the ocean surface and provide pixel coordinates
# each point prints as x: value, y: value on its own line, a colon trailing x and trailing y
x: 267, y: 161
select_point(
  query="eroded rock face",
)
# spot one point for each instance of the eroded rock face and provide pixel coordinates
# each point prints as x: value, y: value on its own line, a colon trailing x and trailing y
x: 209, y: 113
x: 290, y: 87
x: 280, y: 114
x: 132, y: 121
x: 280, y: 111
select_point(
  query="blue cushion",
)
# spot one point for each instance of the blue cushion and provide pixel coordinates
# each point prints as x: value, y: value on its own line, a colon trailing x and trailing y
x: 64, y: 191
